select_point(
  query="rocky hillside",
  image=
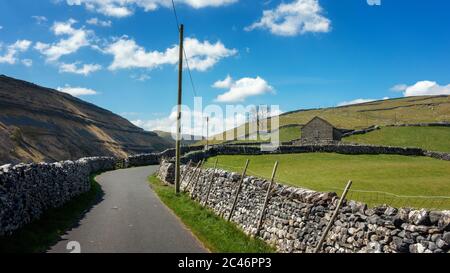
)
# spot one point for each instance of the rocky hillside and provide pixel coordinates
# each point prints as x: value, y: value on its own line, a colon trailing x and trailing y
x: 40, y: 124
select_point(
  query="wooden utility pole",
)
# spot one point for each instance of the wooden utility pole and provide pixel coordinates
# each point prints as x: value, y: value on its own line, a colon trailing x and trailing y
x: 207, y: 133
x: 180, y: 91
x: 257, y: 122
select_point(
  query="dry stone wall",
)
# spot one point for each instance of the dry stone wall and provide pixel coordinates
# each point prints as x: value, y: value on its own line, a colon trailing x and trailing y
x: 341, y: 148
x: 362, y: 131
x: 27, y: 190
x: 155, y: 158
x: 295, y: 218
x: 430, y: 124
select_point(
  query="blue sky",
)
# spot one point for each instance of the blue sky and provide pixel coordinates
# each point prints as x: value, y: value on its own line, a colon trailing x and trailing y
x: 294, y: 53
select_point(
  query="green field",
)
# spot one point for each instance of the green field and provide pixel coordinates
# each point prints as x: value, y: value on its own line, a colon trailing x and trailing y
x: 216, y: 234
x: 429, y: 138
x: 385, y: 176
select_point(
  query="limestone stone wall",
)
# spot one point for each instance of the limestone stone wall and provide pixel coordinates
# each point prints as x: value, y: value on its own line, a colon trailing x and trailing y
x: 155, y: 158
x: 166, y: 172
x: 27, y: 190
x: 328, y: 148
x: 362, y: 131
x: 340, y: 148
x: 438, y: 155
x: 295, y: 218
x: 439, y: 124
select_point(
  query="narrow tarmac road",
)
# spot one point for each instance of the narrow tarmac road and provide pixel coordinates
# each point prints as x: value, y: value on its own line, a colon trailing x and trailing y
x: 131, y: 218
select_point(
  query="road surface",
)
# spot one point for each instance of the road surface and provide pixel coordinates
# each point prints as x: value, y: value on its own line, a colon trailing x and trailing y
x: 131, y: 218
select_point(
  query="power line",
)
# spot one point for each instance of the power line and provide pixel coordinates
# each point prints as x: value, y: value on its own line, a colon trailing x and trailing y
x: 184, y: 49
x: 176, y: 15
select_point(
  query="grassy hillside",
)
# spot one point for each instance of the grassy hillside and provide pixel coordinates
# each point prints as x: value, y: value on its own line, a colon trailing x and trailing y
x: 402, y: 111
x: 408, y: 110
x: 429, y: 138
x: 383, y: 175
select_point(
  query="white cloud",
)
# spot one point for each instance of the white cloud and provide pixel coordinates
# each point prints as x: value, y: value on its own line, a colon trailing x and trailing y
x: 40, y: 19
x: 76, y: 91
x: 98, y: 22
x: 224, y: 84
x: 297, y: 17
x: 76, y: 39
x: 141, y: 78
x: 241, y: 89
x: 399, y: 87
x: 10, y: 57
x: 166, y: 124
x: 423, y: 88
x: 85, y: 69
x: 124, y: 8
x: 27, y: 62
x: 359, y: 101
x: 201, y: 55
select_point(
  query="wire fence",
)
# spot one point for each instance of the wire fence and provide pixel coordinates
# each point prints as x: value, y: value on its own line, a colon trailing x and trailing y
x: 369, y: 197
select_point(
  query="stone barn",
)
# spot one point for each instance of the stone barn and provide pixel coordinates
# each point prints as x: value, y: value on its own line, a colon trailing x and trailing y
x: 319, y: 130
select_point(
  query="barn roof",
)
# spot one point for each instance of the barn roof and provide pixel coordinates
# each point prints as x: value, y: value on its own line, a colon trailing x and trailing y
x: 319, y: 118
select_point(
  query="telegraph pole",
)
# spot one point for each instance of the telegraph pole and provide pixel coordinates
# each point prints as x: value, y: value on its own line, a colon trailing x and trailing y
x: 180, y: 91
x: 207, y: 133
x: 257, y: 122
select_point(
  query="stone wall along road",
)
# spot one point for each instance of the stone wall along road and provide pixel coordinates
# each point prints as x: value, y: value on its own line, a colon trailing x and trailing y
x: 295, y: 218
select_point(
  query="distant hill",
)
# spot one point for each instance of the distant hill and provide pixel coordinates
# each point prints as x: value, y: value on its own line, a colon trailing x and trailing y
x: 186, y: 139
x: 409, y: 110
x: 40, y: 124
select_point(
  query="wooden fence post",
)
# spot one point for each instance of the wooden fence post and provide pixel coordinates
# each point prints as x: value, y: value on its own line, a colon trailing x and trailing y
x: 197, y: 177
x: 186, y: 172
x: 194, y: 171
x: 330, y: 224
x: 210, y: 183
x: 238, y: 190
x: 266, y: 201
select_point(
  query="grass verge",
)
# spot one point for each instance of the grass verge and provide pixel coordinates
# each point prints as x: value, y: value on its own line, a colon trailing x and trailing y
x: 216, y: 234
x: 41, y: 234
